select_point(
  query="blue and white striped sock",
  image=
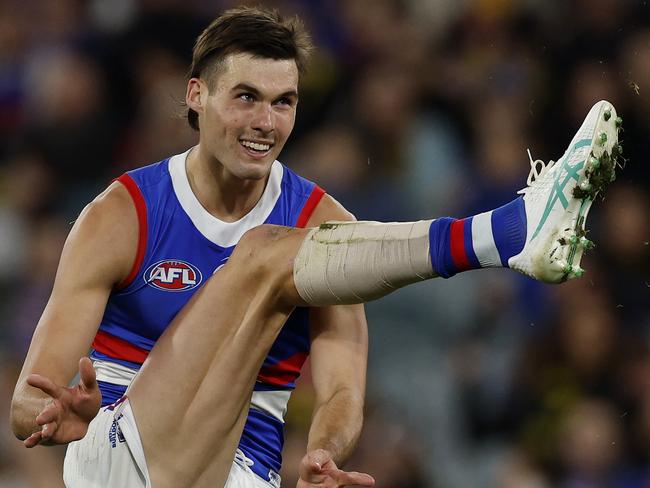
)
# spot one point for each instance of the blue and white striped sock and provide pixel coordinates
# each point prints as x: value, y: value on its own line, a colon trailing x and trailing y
x: 486, y: 240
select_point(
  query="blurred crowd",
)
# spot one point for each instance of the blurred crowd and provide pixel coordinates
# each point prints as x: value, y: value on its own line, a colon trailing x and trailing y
x: 411, y: 109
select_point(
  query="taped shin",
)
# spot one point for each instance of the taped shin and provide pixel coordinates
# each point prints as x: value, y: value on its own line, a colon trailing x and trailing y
x: 354, y: 262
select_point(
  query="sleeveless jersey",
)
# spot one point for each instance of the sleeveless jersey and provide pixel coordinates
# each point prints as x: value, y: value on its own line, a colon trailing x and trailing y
x: 180, y: 246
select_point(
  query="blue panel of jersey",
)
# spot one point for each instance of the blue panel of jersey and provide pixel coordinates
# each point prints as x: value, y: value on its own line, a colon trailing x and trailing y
x: 139, y: 313
x: 262, y: 441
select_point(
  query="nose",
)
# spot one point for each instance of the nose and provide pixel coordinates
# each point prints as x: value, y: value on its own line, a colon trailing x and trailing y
x: 263, y: 120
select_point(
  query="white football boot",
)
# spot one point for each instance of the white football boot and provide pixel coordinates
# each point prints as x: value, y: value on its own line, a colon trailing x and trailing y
x: 559, y: 195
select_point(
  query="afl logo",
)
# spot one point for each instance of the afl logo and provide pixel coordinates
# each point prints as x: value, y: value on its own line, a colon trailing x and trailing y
x: 173, y: 275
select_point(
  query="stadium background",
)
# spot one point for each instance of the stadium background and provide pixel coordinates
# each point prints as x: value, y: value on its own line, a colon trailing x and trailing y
x: 412, y: 109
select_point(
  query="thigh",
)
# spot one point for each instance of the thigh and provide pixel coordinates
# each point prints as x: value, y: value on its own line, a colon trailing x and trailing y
x: 191, y: 397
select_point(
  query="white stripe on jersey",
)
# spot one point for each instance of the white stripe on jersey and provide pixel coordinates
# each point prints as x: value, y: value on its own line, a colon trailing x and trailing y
x: 115, y: 373
x: 272, y: 402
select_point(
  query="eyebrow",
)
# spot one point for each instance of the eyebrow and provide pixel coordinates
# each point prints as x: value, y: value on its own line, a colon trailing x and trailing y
x: 255, y: 91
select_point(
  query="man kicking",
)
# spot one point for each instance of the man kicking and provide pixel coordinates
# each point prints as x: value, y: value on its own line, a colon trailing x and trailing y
x: 147, y: 276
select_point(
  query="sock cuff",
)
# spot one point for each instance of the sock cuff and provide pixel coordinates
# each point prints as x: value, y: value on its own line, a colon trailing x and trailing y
x: 440, y: 247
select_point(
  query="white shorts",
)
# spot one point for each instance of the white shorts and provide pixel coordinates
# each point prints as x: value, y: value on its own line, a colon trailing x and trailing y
x: 111, y: 455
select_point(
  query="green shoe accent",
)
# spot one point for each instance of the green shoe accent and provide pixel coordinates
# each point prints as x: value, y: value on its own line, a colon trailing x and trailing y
x: 607, y: 114
x: 586, y: 243
x: 558, y: 186
x: 594, y: 163
x: 577, y: 271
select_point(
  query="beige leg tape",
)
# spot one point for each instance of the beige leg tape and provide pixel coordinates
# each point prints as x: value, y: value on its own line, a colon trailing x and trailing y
x: 354, y: 262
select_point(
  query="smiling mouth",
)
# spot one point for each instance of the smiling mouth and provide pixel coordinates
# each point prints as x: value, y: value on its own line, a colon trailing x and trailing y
x: 257, y: 147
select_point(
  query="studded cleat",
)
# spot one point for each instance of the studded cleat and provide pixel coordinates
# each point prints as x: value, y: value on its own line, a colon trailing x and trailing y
x: 559, y: 195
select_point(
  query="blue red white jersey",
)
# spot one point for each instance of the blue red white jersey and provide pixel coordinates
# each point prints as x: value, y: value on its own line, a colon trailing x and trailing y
x: 180, y: 246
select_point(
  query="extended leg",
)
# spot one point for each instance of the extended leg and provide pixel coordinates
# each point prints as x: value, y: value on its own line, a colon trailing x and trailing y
x: 191, y: 396
x: 541, y: 234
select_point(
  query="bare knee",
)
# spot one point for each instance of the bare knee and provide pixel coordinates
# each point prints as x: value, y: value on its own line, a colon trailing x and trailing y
x: 267, y: 252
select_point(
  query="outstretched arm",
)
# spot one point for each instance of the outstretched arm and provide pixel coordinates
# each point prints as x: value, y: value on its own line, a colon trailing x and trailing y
x: 98, y: 254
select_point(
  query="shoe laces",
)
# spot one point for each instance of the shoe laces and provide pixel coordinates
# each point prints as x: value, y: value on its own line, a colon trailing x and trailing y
x: 538, y: 169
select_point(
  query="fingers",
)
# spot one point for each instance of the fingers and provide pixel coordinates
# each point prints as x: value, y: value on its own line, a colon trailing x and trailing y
x: 87, y: 374
x: 42, y: 436
x: 44, y: 384
x: 33, y: 440
x: 48, y: 431
x: 49, y: 414
x: 353, y: 478
x: 318, y: 465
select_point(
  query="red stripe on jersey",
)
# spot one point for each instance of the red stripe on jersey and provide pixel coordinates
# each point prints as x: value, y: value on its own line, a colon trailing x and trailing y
x: 113, y: 406
x: 310, y: 205
x: 284, y: 372
x: 458, y: 253
x: 141, y: 210
x: 117, y: 348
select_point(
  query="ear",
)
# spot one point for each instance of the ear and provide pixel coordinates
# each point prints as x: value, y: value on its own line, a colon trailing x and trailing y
x: 195, y: 95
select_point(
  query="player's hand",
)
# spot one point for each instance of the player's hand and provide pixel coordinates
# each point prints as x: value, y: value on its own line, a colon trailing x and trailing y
x: 66, y: 417
x: 318, y: 470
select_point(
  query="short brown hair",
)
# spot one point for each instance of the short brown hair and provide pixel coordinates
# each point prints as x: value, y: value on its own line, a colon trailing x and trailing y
x: 260, y: 32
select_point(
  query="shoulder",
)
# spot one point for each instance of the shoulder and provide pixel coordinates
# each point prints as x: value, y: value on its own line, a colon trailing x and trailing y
x: 106, y: 233
x: 155, y: 173
x: 297, y: 184
x: 113, y: 205
x: 329, y: 209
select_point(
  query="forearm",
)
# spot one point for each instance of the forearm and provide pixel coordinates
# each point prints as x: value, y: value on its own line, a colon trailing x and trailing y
x: 336, y: 425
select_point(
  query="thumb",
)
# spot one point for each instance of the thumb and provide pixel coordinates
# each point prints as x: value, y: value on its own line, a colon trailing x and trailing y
x: 87, y: 374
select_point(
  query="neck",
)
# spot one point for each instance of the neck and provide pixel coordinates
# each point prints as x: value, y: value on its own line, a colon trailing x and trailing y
x: 224, y: 195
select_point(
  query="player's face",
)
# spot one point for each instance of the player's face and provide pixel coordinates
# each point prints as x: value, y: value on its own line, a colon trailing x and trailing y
x: 249, y: 114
